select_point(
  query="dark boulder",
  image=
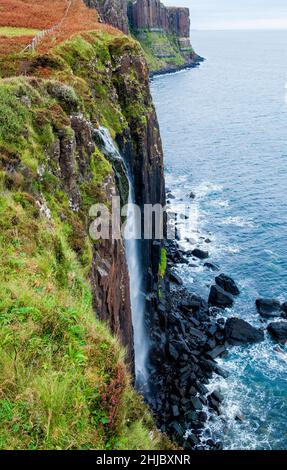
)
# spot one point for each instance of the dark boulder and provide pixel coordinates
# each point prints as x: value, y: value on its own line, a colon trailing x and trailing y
x: 173, y: 352
x: 268, y: 308
x: 175, y: 411
x: 216, y: 352
x: 170, y: 196
x: 192, y: 195
x: 196, y: 403
x: 219, y: 298
x: 217, y: 396
x: 211, y: 266
x: 222, y: 372
x: 238, y: 332
x: 201, y: 254
x: 227, y: 284
x: 278, y: 331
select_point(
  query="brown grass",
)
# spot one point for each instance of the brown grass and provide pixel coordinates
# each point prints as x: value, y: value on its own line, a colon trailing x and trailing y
x: 42, y: 14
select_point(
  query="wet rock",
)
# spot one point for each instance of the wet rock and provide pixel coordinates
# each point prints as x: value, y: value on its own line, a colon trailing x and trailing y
x: 198, y: 334
x: 196, y: 403
x: 268, y: 308
x: 217, y: 396
x: 170, y: 196
x: 175, y: 279
x: 216, y: 352
x: 201, y: 254
x: 175, y: 411
x: 223, y: 373
x: 284, y: 310
x: 176, y: 428
x: 278, y: 331
x: 173, y: 352
x: 211, y: 266
x: 219, y: 298
x: 211, y: 343
x: 238, y: 332
x: 213, y: 403
x: 227, y: 284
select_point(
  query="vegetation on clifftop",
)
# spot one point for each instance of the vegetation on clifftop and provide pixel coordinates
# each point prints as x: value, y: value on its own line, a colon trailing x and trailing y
x: 161, y: 50
x: 63, y: 382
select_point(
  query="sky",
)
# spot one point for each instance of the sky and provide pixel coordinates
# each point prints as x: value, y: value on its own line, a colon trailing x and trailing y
x: 235, y: 14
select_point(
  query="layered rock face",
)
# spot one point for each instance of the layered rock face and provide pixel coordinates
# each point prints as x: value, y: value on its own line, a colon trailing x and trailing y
x: 113, y: 12
x: 153, y: 15
x: 164, y: 33
x: 142, y: 149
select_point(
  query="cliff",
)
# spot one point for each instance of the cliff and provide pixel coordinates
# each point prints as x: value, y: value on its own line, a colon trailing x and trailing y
x: 113, y: 12
x: 63, y: 378
x: 164, y: 33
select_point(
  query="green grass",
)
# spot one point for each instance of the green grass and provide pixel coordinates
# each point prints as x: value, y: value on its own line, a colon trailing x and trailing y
x: 13, y: 32
x: 63, y: 382
x: 157, y: 44
x: 163, y: 263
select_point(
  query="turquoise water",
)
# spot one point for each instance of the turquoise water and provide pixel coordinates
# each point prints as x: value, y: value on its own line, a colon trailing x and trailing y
x: 224, y: 131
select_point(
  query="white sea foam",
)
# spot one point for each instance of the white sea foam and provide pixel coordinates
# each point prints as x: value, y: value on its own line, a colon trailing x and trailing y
x: 237, y: 221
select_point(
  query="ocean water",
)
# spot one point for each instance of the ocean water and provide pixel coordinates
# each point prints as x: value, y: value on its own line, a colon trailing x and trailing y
x: 224, y: 131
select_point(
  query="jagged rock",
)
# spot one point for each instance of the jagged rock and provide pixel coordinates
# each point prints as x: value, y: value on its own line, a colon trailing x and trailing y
x: 268, y: 308
x: 227, y: 284
x: 216, y: 352
x: 211, y: 266
x: 238, y: 331
x: 217, y: 396
x: 176, y: 428
x: 170, y: 196
x: 196, y: 403
x: 113, y: 12
x: 175, y: 411
x: 223, y: 373
x: 201, y: 254
x: 219, y: 298
x: 278, y: 331
x: 192, y: 195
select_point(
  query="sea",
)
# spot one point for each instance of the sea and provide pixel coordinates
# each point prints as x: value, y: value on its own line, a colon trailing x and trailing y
x: 224, y: 133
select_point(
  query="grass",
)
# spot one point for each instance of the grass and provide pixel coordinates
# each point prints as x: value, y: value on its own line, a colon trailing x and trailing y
x: 161, y: 49
x: 63, y: 381
x: 12, y: 32
x: 163, y: 263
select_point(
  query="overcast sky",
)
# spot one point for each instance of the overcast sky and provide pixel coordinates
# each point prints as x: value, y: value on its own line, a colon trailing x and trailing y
x: 235, y: 14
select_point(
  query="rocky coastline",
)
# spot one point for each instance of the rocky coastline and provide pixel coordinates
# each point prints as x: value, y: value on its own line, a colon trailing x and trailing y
x: 189, y: 334
x: 197, y: 60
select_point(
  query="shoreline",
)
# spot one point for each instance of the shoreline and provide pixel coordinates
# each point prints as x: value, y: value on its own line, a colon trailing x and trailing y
x: 197, y: 334
x: 170, y: 70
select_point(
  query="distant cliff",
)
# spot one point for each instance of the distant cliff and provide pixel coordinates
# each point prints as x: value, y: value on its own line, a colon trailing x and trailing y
x: 164, y: 32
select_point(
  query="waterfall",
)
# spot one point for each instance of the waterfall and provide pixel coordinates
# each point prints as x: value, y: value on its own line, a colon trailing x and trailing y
x: 132, y: 235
